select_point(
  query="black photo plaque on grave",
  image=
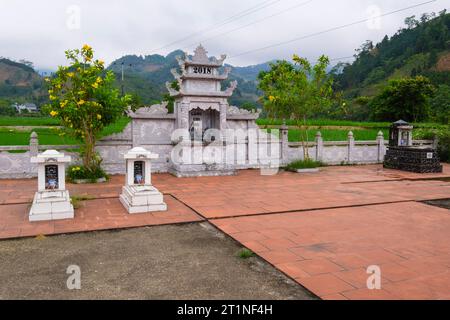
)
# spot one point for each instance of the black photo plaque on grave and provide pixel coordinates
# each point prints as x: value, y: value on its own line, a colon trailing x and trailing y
x: 139, y: 177
x: 51, y: 177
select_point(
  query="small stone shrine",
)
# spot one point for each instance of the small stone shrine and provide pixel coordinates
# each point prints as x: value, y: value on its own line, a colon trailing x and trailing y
x: 52, y: 200
x: 402, y: 155
x: 138, y: 194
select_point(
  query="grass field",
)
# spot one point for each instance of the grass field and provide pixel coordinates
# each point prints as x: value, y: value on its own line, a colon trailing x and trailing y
x: 28, y: 121
x: 50, y: 136
x: 338, y: 135
x: 341, y: 123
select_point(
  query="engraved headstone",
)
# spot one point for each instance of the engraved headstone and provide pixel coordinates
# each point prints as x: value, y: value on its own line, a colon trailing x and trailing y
x: 138, y: 194
x: 52, y: 200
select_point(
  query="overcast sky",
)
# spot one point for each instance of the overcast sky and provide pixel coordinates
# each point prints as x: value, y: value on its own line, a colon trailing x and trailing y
x: 40, y: 30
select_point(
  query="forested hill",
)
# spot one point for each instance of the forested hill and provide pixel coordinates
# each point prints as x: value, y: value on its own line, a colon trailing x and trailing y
x: 422, y: 47
x: 19, y: 81
x: 146, y: 76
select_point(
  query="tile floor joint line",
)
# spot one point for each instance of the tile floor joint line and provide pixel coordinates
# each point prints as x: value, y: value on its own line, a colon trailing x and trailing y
x: 96, y: 198
x: 314, y: 209
x: 181, y: 201
x: 112, y: 229
x: 265, y: 260
x: 399, y: 179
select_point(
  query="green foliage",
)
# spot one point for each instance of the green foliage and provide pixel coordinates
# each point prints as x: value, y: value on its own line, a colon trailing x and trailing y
x: 84, y: 100
x: 249, y: 106
x: 411, y: 51
x: 6, y: 109
x: 245, y: 253
x: 440, y: 105
x: 82, y: 173
x: 21, y: 83
x: 406, y: 99
x: 76, y: 200
x: 296, y: 90
x: 443, y: 134
x: 303, y: 164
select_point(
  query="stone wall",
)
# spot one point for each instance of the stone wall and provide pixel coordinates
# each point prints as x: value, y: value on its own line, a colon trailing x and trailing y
x: 113, y: 148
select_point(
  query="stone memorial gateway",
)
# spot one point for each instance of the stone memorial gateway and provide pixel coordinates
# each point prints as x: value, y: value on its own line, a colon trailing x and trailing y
x: 192, y: 139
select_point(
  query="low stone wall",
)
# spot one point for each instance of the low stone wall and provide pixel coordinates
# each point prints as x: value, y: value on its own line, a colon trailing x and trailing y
x: 112, y: 149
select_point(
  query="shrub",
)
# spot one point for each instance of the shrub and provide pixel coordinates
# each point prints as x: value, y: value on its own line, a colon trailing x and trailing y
x: 303, y: 164
x: 443, y: 134
x: 80, y: 172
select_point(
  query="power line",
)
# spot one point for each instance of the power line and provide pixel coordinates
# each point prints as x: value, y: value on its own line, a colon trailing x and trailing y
x: 237, y: 16
x: 251, y: 23
x: 342, y: 58
x: 330, y: 30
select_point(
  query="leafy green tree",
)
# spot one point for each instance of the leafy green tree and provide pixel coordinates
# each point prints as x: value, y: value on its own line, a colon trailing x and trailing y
x: 296, y: 91
x: 248, y: 106
x: 440, y: 104
x: 407, y: 99
x: 6, y: 109
x: 83, y: 98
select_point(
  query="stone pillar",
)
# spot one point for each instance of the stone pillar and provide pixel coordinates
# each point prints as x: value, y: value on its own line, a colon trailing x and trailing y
x: 284, y: 143
x: 351, y: 146
x: 319, y: 146
x: 183, y: 116
x: 34, y: 144
x: 380, y: 144
x: 435, y: 142
x: 223, y: 116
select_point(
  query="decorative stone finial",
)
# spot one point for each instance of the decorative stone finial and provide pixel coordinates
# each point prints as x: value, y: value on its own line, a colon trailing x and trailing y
x: 380, y: 134
x: 318, y: 134
x: 200, y: 55
x: 350, y: 134
x: 33, y: 135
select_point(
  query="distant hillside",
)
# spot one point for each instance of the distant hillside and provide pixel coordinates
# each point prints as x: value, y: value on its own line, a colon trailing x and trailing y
x: 146, y: 76
x: 421, y: 48
x: 19, y: 81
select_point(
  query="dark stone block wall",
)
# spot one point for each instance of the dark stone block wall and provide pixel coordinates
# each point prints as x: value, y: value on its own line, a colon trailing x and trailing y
x: 413, y: 159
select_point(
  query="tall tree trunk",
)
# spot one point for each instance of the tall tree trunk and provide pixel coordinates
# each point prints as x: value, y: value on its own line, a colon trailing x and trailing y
x: 304, y: 140
x: 89, y: 151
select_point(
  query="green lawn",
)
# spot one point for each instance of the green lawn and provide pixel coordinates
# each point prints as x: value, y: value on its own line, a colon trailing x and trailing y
x: 341, y: 123
x: 47, y: 136
x: 28, y: 121
x: 51, y: 136
x: 338, y: 135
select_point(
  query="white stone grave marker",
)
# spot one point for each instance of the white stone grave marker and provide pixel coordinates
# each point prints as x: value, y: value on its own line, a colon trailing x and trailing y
x: 52, y: 200
x: 138, y: 194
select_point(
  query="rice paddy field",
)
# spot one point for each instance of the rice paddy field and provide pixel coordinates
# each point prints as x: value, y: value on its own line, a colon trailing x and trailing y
x: 337, y: 134
x: 17, y: 130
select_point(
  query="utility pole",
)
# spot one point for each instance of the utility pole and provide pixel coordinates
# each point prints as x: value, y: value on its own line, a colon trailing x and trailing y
x: 122, y: 81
